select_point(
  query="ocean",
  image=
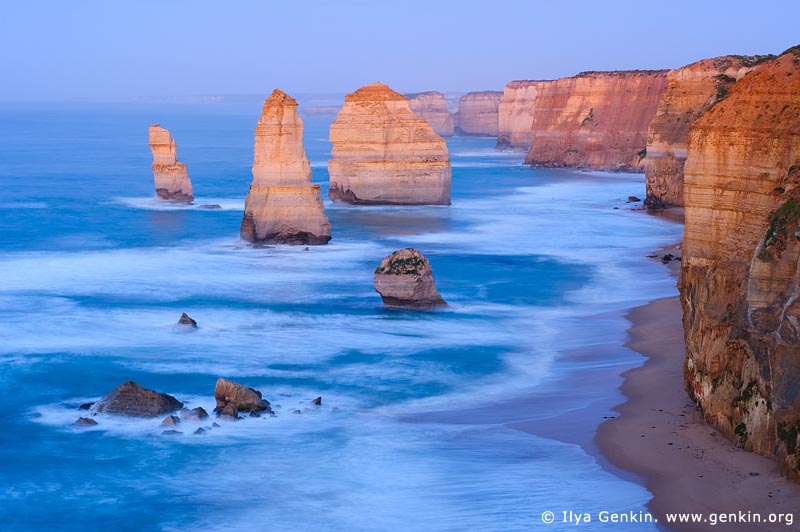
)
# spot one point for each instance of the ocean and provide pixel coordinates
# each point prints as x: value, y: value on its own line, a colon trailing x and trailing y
x: 477, y: 417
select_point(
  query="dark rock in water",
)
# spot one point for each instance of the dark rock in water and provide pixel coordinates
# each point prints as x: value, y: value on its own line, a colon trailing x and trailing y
x: 171, y: 421
x: 86, y: 406
x: 187, y: 320
x: 243, y: 398
x: 229, y: 410
x: 404, y: 280
x: 201, y: 430
x: 317, y: 401
x: 254, y: 414
x: 171, y: 432
x: 215, y: 425
x: 195, y: 414
x: 130, y: 399
x: 210, y: 206
x: 296, y: 411
x: 633, y: 199
x: 85, y: 422
x: 669, y: 257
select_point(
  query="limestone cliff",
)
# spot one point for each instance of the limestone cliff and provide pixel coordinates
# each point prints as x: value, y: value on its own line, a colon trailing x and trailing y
x: 385, y: 154
x: 432, y: 106
x: 282, y: 206
x: 515, y: 114
x: 171, y: 180
x: 690, y: 92
x: 740, y: 284
x: 477, y: 113
x: 595, y: 120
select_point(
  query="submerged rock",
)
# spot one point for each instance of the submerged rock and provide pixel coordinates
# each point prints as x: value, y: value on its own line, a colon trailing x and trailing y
x: 195, y: 414
x: 405, y: 280
x: 238, y: 396
x: 187, y: 320
x: 317, y: 401
x: 130, y: 399
x: 171, y: 421
x: 85, y: 422
x: 171, y: 180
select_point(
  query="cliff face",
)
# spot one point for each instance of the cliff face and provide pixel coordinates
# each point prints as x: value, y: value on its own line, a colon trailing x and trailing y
x: 477, y: 113
x: 432, y: 107
x: 282, y: 205
x: 515, y: 114
x: 595, y: 120
x: 171, y: 180
x: 385, y: 154
x: 690, y: 92
x: 740, y: 285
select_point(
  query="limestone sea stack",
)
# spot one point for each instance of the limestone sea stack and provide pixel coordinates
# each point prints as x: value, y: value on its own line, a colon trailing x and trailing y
x: 404, y: 280
x: 432, y: 106
x: 385, y: 154
x: 282, y: 206
x: 690, y: 92
x: 477, y: 113
x: 595, y: 120
x: 171, y: 180
x: 515, y: 114
x: 740, y: 282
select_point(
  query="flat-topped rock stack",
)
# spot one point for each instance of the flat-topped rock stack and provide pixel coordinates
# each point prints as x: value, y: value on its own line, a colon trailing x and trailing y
x: 432, y: 106
x: 171, y: 180
x: 477, y: 113
x: 282, y: 206
x: 383, y: 153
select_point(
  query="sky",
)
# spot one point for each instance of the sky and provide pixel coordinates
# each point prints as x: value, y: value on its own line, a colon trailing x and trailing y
x: 119, y: 49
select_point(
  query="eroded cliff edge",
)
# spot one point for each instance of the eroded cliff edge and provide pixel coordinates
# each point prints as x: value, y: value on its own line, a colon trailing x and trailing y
x: 740, y: 281
x: 282, y: 205
x: 477, y: 113
x: 432, y: 106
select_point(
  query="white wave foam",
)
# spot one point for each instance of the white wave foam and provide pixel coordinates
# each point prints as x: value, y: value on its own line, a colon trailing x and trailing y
x: 153, y: 203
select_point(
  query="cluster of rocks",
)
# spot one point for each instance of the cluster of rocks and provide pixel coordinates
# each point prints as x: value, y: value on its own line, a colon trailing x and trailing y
x: 133, y: 400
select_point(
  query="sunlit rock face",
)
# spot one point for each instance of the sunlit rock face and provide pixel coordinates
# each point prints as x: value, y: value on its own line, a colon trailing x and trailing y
x: 595, y: 120
x: 477, y: 113
x: 171, y: 180
x: 691, y: 91
x: 383, y: 153
x: 515, y: 114
x: 740, y: 284
x: 282, y: 206
x: 432, y: 106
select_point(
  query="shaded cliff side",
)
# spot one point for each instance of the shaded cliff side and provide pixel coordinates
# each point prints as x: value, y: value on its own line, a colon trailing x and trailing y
x: 515, y: 114
x: 477, y: 113
x: 432, y: 107
x: 595, y: 120
x: 691, y: 91
x: 740, y: 284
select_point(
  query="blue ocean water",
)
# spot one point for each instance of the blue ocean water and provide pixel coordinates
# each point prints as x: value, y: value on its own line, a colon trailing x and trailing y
x: 420, y: 423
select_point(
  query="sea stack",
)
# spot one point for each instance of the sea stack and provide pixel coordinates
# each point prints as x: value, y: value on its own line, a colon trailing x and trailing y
x: 691, y: 91
x: 432, y: 106
x: 171, y: 180
x: 383, y: 153
x: 739, y: 281
x: 515, y: 114
x: 477, y: 113
x: 405, y: 280
x: 595, y: 120
x: 282, y: 206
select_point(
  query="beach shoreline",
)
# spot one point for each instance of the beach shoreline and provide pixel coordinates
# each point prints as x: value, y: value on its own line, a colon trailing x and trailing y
x: 662, y: 439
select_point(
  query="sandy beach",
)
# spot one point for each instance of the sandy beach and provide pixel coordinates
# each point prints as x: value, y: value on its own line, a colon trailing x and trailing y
x: 659, y: 436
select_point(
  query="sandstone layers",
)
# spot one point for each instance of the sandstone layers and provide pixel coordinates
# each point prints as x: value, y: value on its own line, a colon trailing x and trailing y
x: 282, y: 206
x: 740, y: 284
x: 404, y: 280
x: 171, y: 180
x: 595, y: 120
x: 477, y: 113
x: 432, y: 106
x: 385, y: 154
x: 515, y: 114
x: 691, y: 91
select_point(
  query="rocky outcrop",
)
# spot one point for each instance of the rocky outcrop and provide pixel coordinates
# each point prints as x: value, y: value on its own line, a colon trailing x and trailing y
x: 477, y: 113
x: 195, y: 414
x: 740, y: 284
x: 385, y: 154
x: 405, y: 280
x: 186, y: 321
x: 432, y: 107
x: 85, y: 422
x: 238, y: 398
x: 171, y: 180
x: 130, y: 399
x: 691, y: 91
x: 515, y: 114
x: 595, y: 120
x: 282, y: 206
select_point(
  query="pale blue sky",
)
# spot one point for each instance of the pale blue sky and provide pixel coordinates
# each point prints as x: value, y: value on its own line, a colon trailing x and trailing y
x: 113, y: 49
